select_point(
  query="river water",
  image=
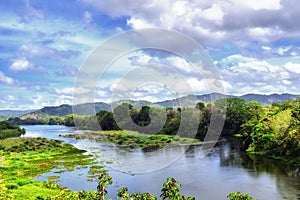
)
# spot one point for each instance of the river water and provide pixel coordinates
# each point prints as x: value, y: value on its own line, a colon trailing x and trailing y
x: 221, y: 171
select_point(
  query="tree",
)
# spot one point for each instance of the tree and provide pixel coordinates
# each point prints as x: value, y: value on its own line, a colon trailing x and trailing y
x: 106, y: 120
x: 235, y: 112
x: 69, y: 121
x: 200, y: 106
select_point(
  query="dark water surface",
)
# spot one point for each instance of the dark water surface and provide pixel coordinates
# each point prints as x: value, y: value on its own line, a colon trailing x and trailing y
x: 222, y: 171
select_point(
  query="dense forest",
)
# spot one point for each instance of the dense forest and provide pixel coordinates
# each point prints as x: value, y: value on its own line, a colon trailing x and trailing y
x: 270, y: 130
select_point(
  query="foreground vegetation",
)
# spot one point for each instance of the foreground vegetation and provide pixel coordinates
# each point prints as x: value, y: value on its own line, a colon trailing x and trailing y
x: 169, y: 191
x: 22, y: 159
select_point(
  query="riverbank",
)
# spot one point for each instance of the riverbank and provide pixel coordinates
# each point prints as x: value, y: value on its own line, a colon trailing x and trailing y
x: 268, y: 153
x: 272, y: 155
x: 22, y: 159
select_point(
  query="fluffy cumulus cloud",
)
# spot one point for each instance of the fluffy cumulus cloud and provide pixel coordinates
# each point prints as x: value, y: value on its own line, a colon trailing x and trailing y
x: 251, y: 75
x: 293, y: 67
x: 20, y: 65
x: 208, y: 21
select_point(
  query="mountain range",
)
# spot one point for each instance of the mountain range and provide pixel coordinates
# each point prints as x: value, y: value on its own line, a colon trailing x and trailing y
x: 207, y: 98
x: 92, y: 108
x: 14, y: 113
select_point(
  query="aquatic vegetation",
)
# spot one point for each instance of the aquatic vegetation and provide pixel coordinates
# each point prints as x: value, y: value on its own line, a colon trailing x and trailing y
x: 21, y: 159
x: 132, y: 139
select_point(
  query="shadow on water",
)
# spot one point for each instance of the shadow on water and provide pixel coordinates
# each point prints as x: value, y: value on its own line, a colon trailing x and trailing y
x: 287, y: 176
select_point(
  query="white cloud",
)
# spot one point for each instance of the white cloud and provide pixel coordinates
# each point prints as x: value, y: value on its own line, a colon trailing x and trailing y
x: 69, y: 91
x: 6, y: 80
x: 294, y: 67
x: 258, y: 4
x: 176, y: 63
x: 63, y: 99
x: 215, y: 13
x: 180, y: 63
x: 283, y: 50
x: 10, y: 98
x: 37, y: 101
x: 251, y: 75
x: 286, y: 82
x: 22, y: 64
x: 265, y: 33
x: 207, y: 21
x: 137, y: 23
x: 266, y: 48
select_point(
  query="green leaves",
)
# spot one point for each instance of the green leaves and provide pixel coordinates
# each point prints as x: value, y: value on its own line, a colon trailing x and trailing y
x: 170, y: 191
x: 124, y: 195
x: 239, y: 196
x: 274, y: 131
x: 8, y: 130
x: 104, y: 181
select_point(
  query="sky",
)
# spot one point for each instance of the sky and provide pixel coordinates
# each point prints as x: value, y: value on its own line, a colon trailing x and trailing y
x: 254, y: 45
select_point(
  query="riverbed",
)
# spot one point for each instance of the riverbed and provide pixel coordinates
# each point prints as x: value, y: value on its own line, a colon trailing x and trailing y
x: 222, y: 170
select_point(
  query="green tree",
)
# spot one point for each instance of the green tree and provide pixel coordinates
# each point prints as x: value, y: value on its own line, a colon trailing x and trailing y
x: 200, y: 105
x: 235, y: 112
x: 106, y: 120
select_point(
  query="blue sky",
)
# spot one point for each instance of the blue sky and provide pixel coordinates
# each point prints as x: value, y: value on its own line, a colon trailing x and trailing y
x: 255, y: 46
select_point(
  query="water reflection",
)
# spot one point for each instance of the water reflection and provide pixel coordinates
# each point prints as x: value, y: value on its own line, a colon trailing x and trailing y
x: 287, y: 176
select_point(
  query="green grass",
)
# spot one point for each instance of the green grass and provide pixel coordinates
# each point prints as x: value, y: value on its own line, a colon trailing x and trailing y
x: 132, y: 139
x: 21, y: 159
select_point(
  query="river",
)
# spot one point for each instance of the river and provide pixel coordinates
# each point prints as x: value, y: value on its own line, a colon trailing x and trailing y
x: 223, y: 170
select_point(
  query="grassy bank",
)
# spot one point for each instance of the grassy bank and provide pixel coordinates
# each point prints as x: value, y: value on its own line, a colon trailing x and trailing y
x: 132, y: 139
x: 21, y: 159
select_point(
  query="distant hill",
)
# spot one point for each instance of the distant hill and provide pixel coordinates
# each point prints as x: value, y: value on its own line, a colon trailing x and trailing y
x: 269, y: 99
x: 14, y: 113
x: 63, y: 110
x: 262, y: 99
x: 92, y: 108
